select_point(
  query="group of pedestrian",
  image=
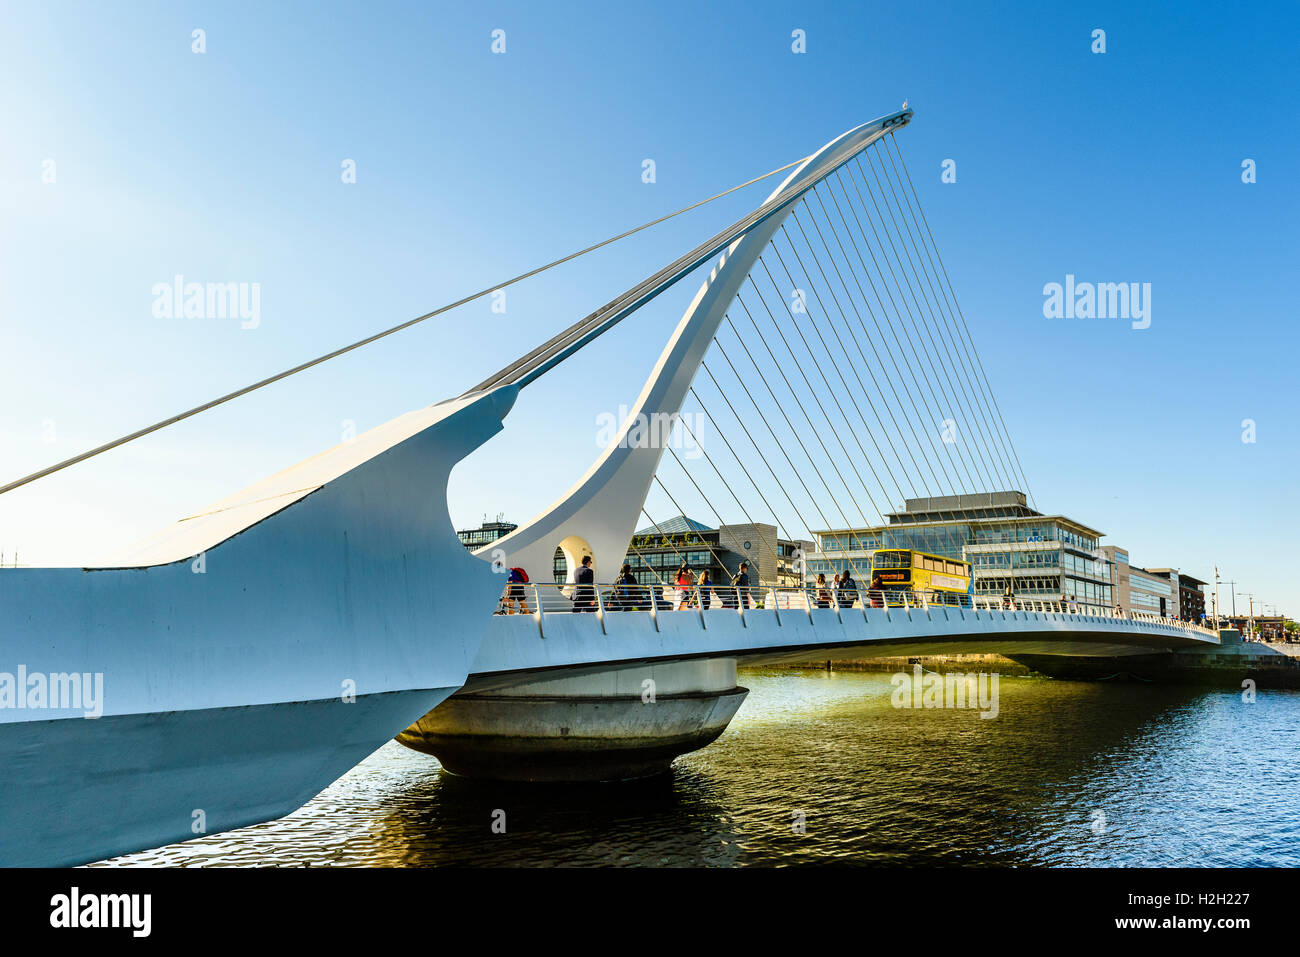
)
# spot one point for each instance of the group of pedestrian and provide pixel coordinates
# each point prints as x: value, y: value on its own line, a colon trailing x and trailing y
x: 840, y: 592
x: 700, y: 592
x: 628, y: 594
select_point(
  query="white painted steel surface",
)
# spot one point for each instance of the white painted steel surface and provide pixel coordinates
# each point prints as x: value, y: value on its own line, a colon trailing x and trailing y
x: 339, y: 578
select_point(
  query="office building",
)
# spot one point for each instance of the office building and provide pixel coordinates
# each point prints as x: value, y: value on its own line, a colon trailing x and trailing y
x: 1010, y: 545
x: 473, y: 538
x: 1152, y: 594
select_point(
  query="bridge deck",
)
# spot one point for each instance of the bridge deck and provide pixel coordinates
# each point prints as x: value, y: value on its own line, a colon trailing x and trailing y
x: 519, y: 647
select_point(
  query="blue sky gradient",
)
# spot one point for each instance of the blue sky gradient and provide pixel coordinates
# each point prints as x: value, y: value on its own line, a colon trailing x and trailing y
x: 472, y: 167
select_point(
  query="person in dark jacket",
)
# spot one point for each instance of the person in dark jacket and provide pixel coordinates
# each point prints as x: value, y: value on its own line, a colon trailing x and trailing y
x: 584, y: 595
x: 627, y: 593
x: 848, y: 593
x: 741, y: 583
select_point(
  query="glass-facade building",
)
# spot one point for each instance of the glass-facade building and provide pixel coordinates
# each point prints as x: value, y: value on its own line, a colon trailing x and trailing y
x: 473, y: 538
x: 1011, y: 546
x: 1152, y: 594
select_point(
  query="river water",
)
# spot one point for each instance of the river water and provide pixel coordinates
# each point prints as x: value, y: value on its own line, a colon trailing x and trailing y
x: 821, y: 768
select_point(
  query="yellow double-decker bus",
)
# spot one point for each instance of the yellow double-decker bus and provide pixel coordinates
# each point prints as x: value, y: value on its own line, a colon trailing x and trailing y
x: 937, y: 579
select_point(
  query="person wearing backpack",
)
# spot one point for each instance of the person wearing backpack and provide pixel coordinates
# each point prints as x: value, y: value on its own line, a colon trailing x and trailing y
x: 515, y: 592
x: 625, y: 590
x: 848, y: 592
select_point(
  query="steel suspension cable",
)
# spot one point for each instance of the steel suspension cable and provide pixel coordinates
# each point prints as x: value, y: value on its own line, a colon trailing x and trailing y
x: 762, y: 457
x: 716, y: 513
x: 761, y: 538
x: 932, y: 361
x: 871, y: 342
x: 848, y: 390
x: 302, y: 367
x: 641, y: 555
x: 795, y: 432
x: 821, y: 306
x: 781, y: 526
x: 666, y: 536
x: 682, y: 513
x: 992, y: 397
x: 848, y: 293
x: 849, y: 359
x: 813, y: 392
x: 940, y: 335
x: 807, y: 276
x: 993, y: 440
x: 898, y: 313
x: 967, y: 340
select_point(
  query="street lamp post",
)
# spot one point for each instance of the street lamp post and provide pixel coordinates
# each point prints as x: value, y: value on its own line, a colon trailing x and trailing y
x: 1216, y: 598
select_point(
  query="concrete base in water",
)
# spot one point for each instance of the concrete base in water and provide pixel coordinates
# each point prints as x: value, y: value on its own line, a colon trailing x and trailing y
x: 626, y: 723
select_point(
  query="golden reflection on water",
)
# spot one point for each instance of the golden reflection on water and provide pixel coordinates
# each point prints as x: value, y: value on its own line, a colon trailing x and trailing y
x: 1068, y: 773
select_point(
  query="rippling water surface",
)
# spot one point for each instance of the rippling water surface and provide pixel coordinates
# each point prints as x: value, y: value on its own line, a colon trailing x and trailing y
x: 1068, y: 773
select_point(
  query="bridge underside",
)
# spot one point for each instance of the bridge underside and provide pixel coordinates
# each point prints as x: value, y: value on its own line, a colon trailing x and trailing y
x: 582, y: 697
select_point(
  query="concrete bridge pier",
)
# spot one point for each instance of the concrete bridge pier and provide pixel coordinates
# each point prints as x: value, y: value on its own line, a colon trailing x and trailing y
x: 623, y: 723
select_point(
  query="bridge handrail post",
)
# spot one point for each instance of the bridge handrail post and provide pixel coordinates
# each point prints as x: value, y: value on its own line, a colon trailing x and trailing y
x: 600, y: 608
x: 699, y: 607
x: 807, y: 601
x: 654, y: 605
x: 537, y: 597
x: 742, y: 599
x: 776, y: 608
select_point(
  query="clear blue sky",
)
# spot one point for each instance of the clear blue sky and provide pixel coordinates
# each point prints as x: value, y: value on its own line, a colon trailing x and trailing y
x: 471, y: 167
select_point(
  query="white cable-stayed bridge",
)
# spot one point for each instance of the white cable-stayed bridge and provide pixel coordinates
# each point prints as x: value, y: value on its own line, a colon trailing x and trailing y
x: 254, y: 652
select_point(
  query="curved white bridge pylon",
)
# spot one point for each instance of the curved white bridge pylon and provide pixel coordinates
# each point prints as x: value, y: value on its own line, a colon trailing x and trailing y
x: 599, y: 514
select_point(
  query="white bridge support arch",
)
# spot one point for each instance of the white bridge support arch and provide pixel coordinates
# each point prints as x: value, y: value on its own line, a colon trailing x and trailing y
x: 602, y: 508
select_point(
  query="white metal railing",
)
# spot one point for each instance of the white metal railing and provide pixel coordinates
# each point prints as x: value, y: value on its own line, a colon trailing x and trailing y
x: 601, y: 599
